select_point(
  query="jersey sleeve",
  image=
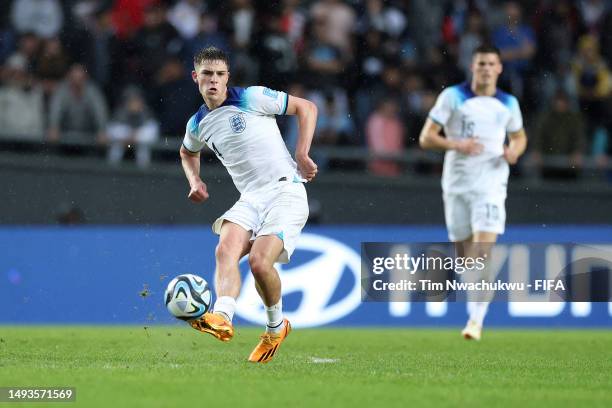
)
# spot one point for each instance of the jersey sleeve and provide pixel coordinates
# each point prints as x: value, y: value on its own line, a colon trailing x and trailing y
x: 443, y: 108
x: 265, y: 100
x: 516, y: 117
x: 191, y: 141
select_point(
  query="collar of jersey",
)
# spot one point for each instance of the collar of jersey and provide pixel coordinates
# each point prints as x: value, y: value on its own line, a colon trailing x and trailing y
x: 234, y: 98
x: 466, y: 90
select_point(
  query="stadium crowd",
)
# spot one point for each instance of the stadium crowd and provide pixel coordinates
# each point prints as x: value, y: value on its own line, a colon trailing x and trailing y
x: 117, y: 73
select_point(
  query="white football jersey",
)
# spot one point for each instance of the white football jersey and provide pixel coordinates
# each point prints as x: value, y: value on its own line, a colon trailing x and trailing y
x: 243, y: 133
x: 463, y: 114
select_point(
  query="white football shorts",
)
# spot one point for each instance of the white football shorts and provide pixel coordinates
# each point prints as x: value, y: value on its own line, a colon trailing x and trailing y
x: 280, y: 210
x: 471, y: 212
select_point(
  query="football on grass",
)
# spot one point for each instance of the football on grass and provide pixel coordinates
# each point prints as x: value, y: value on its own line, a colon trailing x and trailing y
x: 188, y: 297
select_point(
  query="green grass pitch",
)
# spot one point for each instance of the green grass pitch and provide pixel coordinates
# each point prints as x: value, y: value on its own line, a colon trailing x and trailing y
x: 163, y: 366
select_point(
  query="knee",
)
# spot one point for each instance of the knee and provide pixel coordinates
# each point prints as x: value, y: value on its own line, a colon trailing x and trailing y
x: 226, y: 253
x: 259, y: 265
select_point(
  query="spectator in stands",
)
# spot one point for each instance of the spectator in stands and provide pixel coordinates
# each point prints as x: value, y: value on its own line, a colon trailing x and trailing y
x: 171, y: 95
x: 78, y: 109
x: 21, y: 102
x: 42, y: 17
x: 605, y: 38
x: 370, y: 57
x: 239, y: 23
x: 334, y: 124
x: 28, y: 47
x: 324, y: 61
x: 275, y: 49
x: 336, y: 22
x: 474, y: 35
x: 7, y: 34
x: 132, y: 124
x: 293, y: 22
x: 593, y: 81
x: 385, y: 135
x: 128, y: 16
x: 592, y: 13
x: 185, y: 17
x: 415, y: 105
x: 156, y: 40
x: 517, y: 44
x: 92, y: 41
x: 557, y: 30
x: 384, y: 17
x: 560, y: 132
x: 425, y: 19
x: 558, y: 27
x: 52, y: 64
x: 208, y: 35
x: 369, y: 97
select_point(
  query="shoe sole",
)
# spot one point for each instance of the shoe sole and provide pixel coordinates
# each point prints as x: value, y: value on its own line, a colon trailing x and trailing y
x: 222, y: 333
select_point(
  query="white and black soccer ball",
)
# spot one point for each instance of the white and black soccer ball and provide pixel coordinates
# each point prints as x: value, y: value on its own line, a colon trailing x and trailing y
x: 188, y: 297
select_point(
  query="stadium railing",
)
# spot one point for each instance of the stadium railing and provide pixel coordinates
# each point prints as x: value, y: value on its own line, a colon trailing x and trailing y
x: 357, y: 157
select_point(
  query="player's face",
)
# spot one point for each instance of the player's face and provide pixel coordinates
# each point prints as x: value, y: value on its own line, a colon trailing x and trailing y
x: 211, y: 77
x: 486, y: 68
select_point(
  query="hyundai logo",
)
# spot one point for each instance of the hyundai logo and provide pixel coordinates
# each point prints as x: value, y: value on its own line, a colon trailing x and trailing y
x: 317, y: 280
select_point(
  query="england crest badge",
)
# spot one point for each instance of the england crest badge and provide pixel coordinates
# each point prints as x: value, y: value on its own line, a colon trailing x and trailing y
x: 238, y: 123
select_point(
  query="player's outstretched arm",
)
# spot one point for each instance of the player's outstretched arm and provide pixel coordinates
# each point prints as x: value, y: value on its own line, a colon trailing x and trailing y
x: 516, y: 147
x: 306, y: 112
x: 431, y: 139
x: 191, y: 165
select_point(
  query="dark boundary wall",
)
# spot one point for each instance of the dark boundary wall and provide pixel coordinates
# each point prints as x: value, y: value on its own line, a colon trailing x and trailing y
x: 35, y: 189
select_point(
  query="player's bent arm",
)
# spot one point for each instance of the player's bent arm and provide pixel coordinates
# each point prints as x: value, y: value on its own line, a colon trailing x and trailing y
x: 516, y: 147
x: 191, y: 166
x: 431, y: 139
x: 518, y: 142
x: 306, y: 112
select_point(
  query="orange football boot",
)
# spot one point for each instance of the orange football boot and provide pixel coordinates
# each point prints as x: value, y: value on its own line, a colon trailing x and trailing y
x: 214, y: 324
x: 269, y: 344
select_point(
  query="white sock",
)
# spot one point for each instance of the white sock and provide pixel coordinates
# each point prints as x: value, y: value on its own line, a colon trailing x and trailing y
x: 225, y: 305
x: 478, y: 311
x: 275, y: 317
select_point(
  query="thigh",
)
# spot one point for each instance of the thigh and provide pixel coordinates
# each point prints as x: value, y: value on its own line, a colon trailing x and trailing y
x: 266, y: 249
x: 234, y: 241
x: 457, y: 217
x: 242, y: 213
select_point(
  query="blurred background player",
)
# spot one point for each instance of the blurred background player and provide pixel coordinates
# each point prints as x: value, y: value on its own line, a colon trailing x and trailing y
x: 238, y: 124
x: 476, y: 117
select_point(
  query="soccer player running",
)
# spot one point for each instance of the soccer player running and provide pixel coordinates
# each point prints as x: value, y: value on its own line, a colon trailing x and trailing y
x: 476, y: 117
x: 239, y: 125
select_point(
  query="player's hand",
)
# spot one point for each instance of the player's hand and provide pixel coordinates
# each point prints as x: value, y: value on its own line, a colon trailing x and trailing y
x: 469, y: 146
x: 198, y: 193
x: 307, y: 167
x: 510, y: 156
